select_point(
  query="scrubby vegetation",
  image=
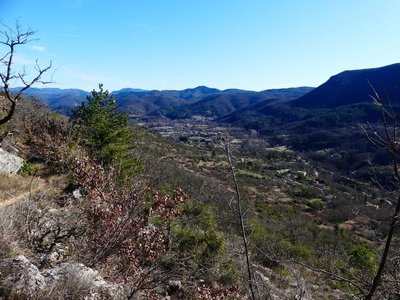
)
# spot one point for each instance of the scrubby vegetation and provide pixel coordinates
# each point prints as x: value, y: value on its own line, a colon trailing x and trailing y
x: 139, y: 238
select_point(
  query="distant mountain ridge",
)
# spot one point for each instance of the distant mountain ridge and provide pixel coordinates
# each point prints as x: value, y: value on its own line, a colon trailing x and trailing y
x: 356, y: 86
x: 346, y: 88
x: 228, y: 101
x: 59, y: 100
x: 201, y: 100
x: 327, y: 116
x: 318, y: 121
x: 346, y: 93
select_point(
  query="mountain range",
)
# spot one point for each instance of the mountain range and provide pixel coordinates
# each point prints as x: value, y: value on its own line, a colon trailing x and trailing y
x: 311, y: 120
x: 346, y: 88
x: 201, y: 100
x: 59, y: 100
x: 341, y: 102
x: 345, y: 98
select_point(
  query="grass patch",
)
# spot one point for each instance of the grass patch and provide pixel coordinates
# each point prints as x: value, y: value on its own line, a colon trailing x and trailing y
x: 14, y: 185
x: 250, y: 174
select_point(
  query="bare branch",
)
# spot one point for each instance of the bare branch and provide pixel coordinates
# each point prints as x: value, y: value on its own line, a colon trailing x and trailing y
x: 334, y: 276
x: 13, y: 38
x: 239, y: 213
x: 37, y: 79
x: 390, y: 143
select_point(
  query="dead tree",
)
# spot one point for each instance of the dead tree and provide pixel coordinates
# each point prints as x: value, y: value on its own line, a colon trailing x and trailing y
x: 390, y: 141
x: 11, y: 39
x: 237, y: 209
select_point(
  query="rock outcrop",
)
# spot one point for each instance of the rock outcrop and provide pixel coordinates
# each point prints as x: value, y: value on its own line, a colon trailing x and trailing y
x: 19, y: 277
x: 10, y: 163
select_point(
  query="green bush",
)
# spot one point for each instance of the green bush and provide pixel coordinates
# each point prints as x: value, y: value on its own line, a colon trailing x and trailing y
x: 27, y: 169
x: 306, y: 191
x: 194, y: 235
x: 197, y: 235
x: 315, y: 204
x: 363, y: 258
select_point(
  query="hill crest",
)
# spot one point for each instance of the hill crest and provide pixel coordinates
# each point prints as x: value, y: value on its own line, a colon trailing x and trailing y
x: 354, y: 86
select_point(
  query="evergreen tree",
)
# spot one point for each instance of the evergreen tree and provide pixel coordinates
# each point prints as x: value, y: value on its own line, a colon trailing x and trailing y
x: 105, y: 132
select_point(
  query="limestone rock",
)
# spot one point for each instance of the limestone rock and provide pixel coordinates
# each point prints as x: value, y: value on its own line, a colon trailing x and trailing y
x: 77, y: 195
x: 21, y: 278
x: 175, y: 286
x: 10, y: 163
x: 84, y: 281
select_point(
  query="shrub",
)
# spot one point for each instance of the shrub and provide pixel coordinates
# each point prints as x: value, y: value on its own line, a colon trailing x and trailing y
x: 121, y: 226
x: 315, y: 204
x: 27, y: 169
x: 196, y: 234
x: 363, y: 258
x: 49, y: 140
x: 306, y: 191
x: 195, y: 239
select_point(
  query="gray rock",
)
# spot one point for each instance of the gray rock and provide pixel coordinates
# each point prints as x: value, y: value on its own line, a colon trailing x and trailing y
x: 10, y: 163
x: 84, y: 281
x: 19, y: 277
x: 77, y: 195
x: 175, y: 285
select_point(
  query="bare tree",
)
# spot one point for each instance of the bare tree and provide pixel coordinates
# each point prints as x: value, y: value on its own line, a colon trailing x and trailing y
x: 11, y: 39
x: 388, y: 140
x: 237, y: 209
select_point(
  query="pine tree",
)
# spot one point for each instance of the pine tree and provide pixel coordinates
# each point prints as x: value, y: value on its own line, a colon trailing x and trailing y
x: 104, y: 131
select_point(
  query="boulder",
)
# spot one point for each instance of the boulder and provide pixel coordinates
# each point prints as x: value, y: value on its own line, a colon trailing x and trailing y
x: 83, y: 281
x: 10, y: 163
x: 174, y: 286
x: 20, y: 278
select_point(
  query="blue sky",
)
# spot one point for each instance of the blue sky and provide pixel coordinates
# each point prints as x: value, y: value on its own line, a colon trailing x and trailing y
x: 177, y: 44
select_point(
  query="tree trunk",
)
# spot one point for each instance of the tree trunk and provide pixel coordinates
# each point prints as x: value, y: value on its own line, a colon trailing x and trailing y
x: 378, y: 276
x: 9, y: 115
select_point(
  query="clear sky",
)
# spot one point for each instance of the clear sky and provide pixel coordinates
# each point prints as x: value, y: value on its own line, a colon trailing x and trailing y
x: 177, y: 44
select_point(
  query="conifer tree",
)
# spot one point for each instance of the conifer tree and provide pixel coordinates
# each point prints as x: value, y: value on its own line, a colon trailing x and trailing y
x: 105, y: 132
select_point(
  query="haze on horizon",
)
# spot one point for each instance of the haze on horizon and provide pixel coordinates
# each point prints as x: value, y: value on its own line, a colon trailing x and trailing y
x: 253, y: 45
